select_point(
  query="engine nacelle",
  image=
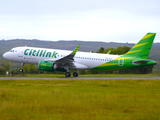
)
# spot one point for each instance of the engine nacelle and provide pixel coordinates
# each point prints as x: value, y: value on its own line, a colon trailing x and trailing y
x: 47, y: 66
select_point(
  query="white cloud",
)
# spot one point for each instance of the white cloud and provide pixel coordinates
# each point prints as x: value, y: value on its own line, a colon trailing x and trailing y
x: 60, y: 20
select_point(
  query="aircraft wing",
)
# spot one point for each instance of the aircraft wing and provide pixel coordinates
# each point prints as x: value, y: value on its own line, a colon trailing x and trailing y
x: 67, y: 60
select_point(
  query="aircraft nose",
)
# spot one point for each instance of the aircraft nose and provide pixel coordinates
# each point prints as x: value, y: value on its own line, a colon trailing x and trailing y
x: 5, y: 55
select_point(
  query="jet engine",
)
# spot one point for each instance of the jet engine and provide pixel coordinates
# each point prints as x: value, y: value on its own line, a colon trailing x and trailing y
x: 47, y: 66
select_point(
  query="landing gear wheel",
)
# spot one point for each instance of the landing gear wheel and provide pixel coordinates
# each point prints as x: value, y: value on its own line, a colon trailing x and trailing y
x: 75, y: 74
x: 67, y: 74
x: 21, y: 70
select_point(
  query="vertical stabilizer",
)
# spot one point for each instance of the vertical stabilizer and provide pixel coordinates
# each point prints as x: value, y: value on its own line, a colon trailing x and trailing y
x: 143, y: 47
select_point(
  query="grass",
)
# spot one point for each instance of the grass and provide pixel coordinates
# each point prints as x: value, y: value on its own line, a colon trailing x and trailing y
x: 80, y: 99
x: 87, y: 75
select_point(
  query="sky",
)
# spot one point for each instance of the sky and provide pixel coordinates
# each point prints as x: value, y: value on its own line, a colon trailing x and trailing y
x: 85, y: 20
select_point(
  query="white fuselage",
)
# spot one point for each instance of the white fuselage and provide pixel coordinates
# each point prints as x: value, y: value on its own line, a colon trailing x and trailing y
x: 32, y: 55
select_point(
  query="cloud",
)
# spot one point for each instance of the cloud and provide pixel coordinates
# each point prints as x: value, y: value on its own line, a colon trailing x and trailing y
x: 79, y: 20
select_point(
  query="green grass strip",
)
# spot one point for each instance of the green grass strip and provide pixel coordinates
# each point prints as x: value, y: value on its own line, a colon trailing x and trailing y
x: 71, y: 99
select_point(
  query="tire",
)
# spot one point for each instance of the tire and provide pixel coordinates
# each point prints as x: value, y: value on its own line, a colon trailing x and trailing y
x: 75, y: 74
x: 67, y: 74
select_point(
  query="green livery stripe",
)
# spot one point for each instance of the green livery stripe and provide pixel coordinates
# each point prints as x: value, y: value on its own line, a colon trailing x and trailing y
x: 107, y: 64
x: 75, y: 51
x: 123, y: 63
x: 142, y: 48
x: 133, y: 51
x: 112, y: 64
x: 138, y: 45
x: 148, y: 35
x: 123, y: 58
x: 135, y: 57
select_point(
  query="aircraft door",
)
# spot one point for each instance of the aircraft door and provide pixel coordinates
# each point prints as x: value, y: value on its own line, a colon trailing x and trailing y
x: 121, y: 61
x: 20, y: 52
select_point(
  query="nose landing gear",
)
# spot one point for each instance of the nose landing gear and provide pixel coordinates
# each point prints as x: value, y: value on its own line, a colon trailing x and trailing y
x: 21, y: 70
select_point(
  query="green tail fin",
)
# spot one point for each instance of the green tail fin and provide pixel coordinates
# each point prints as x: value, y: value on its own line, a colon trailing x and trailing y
x: 143, y: 47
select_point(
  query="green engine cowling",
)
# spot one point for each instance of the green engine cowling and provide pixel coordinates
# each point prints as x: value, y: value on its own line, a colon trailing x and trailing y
x: 49, y: 66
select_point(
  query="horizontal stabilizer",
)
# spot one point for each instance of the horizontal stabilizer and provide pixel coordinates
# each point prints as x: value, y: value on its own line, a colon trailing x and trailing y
x: 140, y: 62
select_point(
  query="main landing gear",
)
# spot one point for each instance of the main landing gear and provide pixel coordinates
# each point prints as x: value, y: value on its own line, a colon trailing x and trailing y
x: 68, y: 74
x: 75, y: 74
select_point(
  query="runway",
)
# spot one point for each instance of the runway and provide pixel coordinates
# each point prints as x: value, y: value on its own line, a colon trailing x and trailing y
x: 78, y: 78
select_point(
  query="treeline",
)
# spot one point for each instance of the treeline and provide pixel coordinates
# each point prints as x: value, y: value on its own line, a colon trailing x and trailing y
x: 33, y: 69
x: 4, y: 67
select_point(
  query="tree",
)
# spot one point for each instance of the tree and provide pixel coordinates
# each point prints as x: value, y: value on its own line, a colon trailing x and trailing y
x: 6, y: 65
x: 30, y: 68
x: 119, y: 50
x: 113, y: 51
x: 101, y: 50
x: 2, y: 71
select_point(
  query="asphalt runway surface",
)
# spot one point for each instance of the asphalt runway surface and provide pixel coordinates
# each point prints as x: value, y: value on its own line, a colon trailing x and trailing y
x: 78, y: 78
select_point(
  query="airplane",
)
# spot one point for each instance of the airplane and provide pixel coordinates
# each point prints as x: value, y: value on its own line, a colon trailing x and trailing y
x: 64, y: 60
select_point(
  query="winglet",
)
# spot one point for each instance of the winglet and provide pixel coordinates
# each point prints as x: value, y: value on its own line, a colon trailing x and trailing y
x: 75, y: 50
x: 108, y: 52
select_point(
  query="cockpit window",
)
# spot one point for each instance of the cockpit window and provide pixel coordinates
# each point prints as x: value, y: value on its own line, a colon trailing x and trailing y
x: 11, y: 51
